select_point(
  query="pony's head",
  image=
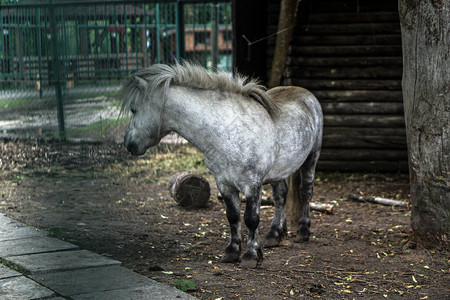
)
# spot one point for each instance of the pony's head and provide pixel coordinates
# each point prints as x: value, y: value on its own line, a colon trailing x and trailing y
x: 145, y: 103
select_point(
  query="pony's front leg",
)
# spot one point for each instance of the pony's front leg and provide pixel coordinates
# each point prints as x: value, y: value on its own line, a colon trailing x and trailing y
x: 253, y: 254
x: 278, y: 229
x: 233, y: 207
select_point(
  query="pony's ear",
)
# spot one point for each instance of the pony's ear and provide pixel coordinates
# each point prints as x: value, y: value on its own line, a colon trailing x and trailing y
x: 140, y: 83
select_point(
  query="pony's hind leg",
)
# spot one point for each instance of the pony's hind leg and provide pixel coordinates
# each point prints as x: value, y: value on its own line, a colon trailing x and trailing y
x: 253, y: 254
x: 306, y: 191
x: 278, y: 229
x: 232, y: 205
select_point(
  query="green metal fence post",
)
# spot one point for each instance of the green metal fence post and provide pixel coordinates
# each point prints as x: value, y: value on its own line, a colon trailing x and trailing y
x: 57, y: 73
x: 158, y: 34
x: 39, y: 54
x: 180, y: 30
x: 214, y: 36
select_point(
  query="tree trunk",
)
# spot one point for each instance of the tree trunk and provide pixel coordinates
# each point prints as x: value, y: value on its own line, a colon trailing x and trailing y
x: 426, y: 92
x: 286, y: 24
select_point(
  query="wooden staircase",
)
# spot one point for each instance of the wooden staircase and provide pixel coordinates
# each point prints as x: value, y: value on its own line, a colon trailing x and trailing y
x: 349, y: 54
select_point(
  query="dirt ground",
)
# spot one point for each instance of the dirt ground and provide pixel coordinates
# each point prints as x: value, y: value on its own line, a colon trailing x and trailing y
x: 102, y: 199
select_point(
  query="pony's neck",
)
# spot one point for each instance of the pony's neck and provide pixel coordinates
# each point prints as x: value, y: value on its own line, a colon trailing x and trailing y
x: 186, y: 113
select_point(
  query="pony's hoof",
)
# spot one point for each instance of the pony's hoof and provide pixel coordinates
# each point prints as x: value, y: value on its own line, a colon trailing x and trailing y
x: 270, y: 242
x: 230, y: 257
x: 249, y: 263
x: 274, y: 238
x: 301, y: 238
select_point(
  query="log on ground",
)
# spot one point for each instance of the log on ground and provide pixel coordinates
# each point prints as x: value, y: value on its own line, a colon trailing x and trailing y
x: 189, y: 190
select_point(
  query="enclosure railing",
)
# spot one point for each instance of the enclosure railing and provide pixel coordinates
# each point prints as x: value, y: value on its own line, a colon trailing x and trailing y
x: 58, y: 48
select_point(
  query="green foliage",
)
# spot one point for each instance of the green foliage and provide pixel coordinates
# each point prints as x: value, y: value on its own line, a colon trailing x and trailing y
x: 99, y: 128
x: 13, y: 266
x: 28, y: 103
x: 185, y: 285
x: 54, y: 231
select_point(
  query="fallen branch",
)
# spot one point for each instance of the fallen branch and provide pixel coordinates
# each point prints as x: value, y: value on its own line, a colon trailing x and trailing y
x: 378, y: 200
x: 324, y: 208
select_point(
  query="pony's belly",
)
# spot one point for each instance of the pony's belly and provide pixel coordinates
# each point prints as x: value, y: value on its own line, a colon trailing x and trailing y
x: 283, y: 168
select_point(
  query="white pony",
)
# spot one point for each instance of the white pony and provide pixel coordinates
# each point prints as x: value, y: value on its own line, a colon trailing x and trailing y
x: 248, y: 136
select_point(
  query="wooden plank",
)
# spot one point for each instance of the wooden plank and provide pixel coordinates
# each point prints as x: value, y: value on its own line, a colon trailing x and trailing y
x: 358, y: 154
x: 300, y: 61
x: 354, y: 17
x: 363, y: 166
x: 359, y: 95
x: 382, y: 72
x: 364, y: 142
x: 352, y: 6
x: 386, y: 108
x: 363, y: 120
x: 358, y: 39
x: 362, y: 131
x: 352, y: 28
x: 367, y: 50
x: 354, y: 84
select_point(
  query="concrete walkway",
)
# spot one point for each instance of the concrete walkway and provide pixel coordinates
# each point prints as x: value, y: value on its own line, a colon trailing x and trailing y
x: 36, y: 266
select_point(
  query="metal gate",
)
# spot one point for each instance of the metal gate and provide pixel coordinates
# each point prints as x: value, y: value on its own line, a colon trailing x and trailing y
x: 63, y: 49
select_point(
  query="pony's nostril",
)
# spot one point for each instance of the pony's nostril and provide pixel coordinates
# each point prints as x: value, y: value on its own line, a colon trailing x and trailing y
x: 130, y: 145
x: 132, y: 148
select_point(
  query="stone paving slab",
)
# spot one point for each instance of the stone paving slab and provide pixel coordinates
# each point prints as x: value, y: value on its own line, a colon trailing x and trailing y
x: 12, y: 230
x: 6, y: 272
x: 61, y: 261
x: 96, y: 280
x: 33, y: 245
x: 7, y: 223
x: 20, y: 233
x: 155, y: 291
x: 22, y: 288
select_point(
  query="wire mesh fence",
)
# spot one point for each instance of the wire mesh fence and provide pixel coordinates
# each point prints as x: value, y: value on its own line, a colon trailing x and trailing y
x: 62, y: 62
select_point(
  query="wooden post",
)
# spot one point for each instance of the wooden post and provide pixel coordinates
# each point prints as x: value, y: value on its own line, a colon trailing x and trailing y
x: 286, y: 23
x: 293, y: 201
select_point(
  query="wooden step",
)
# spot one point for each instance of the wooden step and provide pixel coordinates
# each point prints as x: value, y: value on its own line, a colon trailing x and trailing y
x: 344, y: 61
x: 381, y: 72
x: 358, y: 39
x: 354, y: 17
x: 364, y: 120
x: 354, y: 84
x: 333, y: 108
x: 352, y: 28
x: 357, y: 50
x: 359, y: 96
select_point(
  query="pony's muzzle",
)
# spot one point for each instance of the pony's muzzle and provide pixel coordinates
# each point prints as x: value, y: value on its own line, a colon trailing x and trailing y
x: 131, y: 146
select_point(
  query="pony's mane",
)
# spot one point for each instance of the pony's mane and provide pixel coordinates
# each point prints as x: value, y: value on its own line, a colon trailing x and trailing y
x: 159, y: 77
